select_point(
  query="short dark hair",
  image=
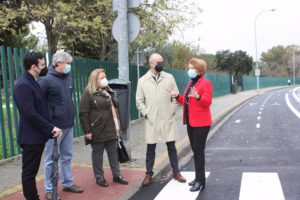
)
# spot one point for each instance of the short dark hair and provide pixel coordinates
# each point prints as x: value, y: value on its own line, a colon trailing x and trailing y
x: 31, y: 58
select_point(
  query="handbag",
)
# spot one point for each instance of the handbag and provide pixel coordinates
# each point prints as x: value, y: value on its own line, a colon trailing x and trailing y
x: 122, y: 152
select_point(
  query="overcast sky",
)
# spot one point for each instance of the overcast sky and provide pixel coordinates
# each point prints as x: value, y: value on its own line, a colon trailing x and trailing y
x: 230, y: 25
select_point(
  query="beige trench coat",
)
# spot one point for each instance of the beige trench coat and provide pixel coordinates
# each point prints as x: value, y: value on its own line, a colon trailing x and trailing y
x: 153, y: 100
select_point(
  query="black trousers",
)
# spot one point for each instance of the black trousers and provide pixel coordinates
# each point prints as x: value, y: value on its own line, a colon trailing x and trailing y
x: 197, y: 137
x: 31, y: 159
x: 150, y: 157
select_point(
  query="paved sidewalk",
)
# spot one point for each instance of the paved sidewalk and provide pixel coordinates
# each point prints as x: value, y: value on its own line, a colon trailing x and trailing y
x: 10, y: 170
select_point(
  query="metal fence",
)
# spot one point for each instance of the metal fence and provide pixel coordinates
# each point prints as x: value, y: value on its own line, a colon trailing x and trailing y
x: 11, y: 67
x: 250, y: 82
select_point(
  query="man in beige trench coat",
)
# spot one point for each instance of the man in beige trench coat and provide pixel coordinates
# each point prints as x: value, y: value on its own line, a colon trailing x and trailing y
x: 158, y: 108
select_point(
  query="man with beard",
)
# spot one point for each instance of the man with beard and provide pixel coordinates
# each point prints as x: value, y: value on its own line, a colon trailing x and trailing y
x: 34, y: 126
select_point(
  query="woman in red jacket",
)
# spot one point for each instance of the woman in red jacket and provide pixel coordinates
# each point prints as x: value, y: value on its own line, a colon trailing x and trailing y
x: 196, y: 101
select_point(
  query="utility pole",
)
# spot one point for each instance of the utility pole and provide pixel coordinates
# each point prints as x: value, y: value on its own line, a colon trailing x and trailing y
x: 257, y: 70
x: 123, y: 41
x: 125, y: 29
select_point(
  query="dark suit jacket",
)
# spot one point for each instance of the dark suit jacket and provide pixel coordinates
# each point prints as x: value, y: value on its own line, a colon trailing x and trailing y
x: 34, y: 125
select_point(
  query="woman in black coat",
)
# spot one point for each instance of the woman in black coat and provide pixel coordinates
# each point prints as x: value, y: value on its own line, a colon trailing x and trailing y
x: 98, y: 118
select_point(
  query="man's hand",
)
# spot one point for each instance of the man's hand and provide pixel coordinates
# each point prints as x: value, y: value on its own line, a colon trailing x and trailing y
x: 56, y: 132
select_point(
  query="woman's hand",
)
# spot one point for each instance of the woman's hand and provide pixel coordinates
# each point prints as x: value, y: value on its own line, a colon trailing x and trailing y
x: 88, y: 136
x: 172, y: 93
x: 194, y: 93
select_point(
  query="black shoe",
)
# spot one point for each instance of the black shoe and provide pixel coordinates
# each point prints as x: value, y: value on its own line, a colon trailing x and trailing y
x: 120, y: 180
x: 192, y: 182
x: 197, y: 186
x: 101, y: 181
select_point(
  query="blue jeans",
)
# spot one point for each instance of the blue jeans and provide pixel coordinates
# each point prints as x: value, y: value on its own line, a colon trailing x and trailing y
x: 65, y: 146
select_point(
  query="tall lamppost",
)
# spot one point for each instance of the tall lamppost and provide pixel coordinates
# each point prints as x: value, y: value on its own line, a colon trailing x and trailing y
x: 294, y: 75
x: 257, y: 72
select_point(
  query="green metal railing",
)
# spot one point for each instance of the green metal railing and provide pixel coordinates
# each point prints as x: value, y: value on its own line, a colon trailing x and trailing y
x: 8, y: 111
x: 11, y: 67
x: 220, y: 82
x: 249, y: 82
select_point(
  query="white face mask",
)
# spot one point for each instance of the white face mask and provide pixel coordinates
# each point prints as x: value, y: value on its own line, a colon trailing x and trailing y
x: 104, y: 83
x: 192, y: 73
x: 67, y: 69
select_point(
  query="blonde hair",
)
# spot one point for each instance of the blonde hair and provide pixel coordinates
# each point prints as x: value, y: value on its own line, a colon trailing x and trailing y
x: 199, y: 64
x: 92, y: 84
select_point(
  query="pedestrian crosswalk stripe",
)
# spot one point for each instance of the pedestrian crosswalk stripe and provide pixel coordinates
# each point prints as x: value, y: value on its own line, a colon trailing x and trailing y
x: 260, y: 186
x: 178, y: 191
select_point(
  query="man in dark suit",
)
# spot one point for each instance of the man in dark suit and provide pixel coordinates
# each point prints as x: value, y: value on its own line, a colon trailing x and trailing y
x: 34, y: 126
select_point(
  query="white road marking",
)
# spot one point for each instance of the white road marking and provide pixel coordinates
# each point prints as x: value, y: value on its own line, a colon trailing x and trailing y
x: 265, y: 101
x: 291, y: 107
x: 259, y: 112
x: 178, y: 191
x: 298, y: 91
x: 258, y: 125
x: 295, y: 96
x: 275, y: 104
x: 258, y: 118
x: 237, y: 121
x: 260, y: 186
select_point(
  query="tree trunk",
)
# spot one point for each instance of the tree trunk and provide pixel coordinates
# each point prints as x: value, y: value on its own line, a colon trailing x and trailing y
x: 51, y: 38
x: 103, y: 52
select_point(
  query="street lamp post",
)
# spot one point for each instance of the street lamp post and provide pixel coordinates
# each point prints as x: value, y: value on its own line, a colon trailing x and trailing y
x: 294, y: 75
x: 257, y: 72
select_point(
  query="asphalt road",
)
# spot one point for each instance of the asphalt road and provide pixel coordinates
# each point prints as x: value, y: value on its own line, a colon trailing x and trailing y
x: 254, y: 155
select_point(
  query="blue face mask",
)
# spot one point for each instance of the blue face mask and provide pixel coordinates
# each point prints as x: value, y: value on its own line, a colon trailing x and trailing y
x: 192, y: 73
x: 67, y: 69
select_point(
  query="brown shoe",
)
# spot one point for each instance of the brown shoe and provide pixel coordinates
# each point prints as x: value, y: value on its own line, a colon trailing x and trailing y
x: 179, y: 177
x: 74, y: 188
x: 49, y: 196
x: 147, y: 180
